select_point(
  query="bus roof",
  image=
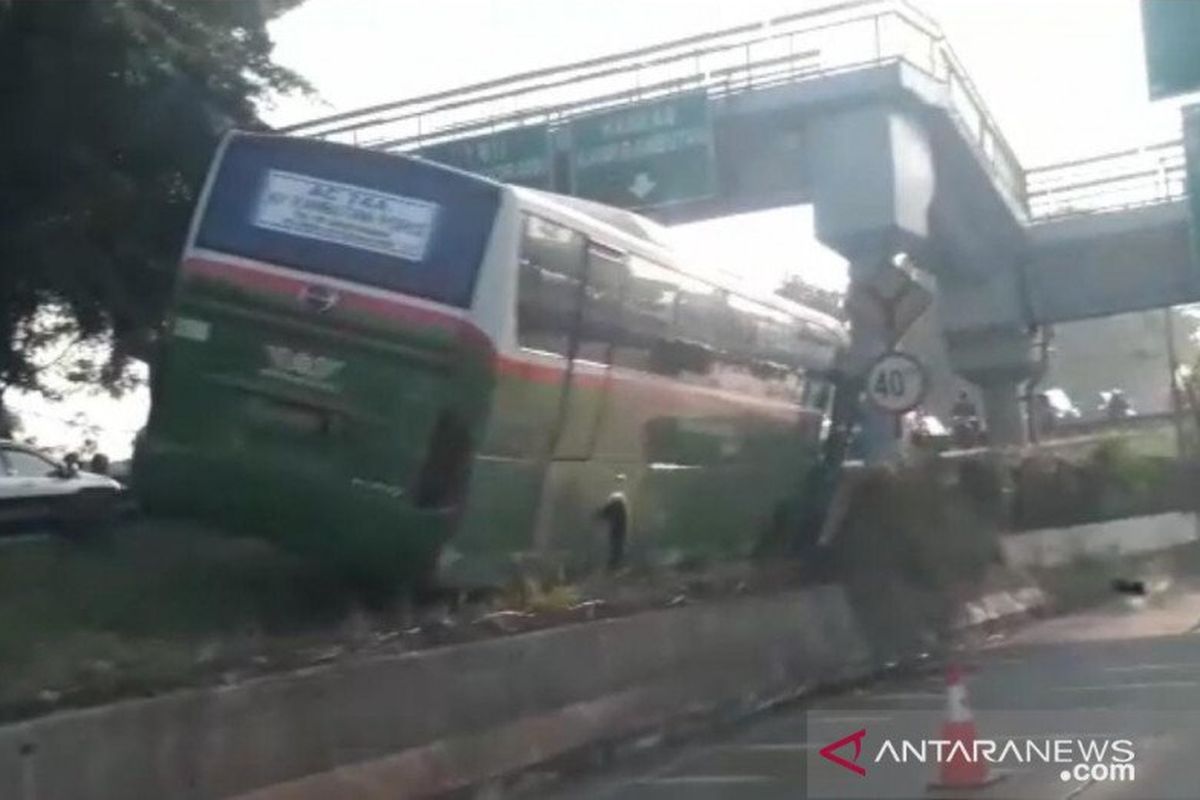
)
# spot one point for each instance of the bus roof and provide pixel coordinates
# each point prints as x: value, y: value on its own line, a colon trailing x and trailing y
x: 655, y: 239
x: 627, y: 221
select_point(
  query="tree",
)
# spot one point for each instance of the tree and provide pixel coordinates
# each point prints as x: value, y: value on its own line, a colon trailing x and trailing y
x: 799, y: 291
x: 10, y: 423
x: 112, y: 108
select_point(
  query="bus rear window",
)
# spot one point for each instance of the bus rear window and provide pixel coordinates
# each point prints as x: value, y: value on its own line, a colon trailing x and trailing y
x: 359, y: 215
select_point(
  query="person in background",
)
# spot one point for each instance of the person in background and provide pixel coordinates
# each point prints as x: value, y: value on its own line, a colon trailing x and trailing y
x: 964, y: 407
x: 1117, y: 406
x: 964, y: 419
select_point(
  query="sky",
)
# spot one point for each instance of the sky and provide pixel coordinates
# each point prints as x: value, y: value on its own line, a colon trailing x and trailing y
x: 1063, y: 78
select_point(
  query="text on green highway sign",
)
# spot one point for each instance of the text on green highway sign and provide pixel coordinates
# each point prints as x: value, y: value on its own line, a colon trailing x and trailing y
x: 519, y: 155
x: 645, y: 154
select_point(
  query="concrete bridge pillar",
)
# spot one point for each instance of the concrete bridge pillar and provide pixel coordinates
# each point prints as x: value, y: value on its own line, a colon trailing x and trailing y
x: 1002, y: 410
x: 997, y: 359
x: 872, y: 184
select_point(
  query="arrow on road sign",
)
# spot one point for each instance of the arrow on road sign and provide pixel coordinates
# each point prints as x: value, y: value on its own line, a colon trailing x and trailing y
x: 642, y: 185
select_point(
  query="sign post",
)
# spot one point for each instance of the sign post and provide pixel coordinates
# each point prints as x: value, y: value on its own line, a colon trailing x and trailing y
x: 647, y: 154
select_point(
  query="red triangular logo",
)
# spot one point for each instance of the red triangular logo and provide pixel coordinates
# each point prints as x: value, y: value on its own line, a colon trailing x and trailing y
x: 828, y: 751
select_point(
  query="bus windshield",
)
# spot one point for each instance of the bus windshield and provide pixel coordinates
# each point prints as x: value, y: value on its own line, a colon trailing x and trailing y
x: 359, y: 215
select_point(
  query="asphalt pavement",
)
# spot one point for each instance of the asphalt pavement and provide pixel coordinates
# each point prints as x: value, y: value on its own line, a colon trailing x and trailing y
x: 1126, y: 672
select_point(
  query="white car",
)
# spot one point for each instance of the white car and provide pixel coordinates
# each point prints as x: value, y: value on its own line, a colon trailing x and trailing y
x: 35, y: 489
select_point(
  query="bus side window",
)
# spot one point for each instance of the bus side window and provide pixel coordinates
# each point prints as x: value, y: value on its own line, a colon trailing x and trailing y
x: 694, y: 352
x: 607, y: 274
x: 549, y: 285
x: 762, y: 342
x: 648, y: 319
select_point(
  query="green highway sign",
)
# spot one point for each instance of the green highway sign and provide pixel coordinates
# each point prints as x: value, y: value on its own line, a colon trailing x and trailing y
x: 1171, y: 30
x: 518, y: 155
x: 646, y: 154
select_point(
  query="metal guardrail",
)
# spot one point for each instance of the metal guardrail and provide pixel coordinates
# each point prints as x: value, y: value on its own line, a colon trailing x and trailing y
x: 782, y: 50
x: 1111, y: 182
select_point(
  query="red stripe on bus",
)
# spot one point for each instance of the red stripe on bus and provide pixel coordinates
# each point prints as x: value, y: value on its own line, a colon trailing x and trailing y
x: 393, y: 308
x: 543, y: 372
x: 416, y: 315
x: 552, y: 373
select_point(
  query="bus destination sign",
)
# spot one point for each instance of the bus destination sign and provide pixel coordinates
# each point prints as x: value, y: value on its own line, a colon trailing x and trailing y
x: 352, y: 216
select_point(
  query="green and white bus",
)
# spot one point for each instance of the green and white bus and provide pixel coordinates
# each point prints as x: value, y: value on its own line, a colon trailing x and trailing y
x: 402, y: 367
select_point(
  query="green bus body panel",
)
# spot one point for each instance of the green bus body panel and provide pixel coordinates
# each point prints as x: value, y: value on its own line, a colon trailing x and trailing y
x: 325, y: 463
x: 703, y: 474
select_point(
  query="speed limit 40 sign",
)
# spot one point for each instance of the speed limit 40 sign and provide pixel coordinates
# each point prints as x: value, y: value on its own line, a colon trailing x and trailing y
x: 897, y: 383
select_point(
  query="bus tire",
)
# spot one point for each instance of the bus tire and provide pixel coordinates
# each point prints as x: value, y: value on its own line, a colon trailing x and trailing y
x: 615, y: 518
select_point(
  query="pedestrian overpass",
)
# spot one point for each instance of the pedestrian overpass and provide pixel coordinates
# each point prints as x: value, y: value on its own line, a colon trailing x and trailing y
x: 863, y: 110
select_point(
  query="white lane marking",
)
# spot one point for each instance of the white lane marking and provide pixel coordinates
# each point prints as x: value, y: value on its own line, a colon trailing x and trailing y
x: 909, y: 696
x: 707, y: 779
x: 1116, y: 687
x: 1080, y: 789
x: 25, y: 538
x: 1150, y: 667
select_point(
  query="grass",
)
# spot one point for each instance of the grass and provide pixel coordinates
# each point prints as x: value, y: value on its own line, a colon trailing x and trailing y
x: 147, y: 607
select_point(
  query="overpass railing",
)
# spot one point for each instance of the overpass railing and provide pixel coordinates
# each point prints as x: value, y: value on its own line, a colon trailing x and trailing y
x: 786, y: 49
x: 1110, y: 182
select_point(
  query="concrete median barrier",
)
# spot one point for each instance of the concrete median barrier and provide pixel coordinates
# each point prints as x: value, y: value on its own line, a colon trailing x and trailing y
x: 1112, y: 539
x: 442, y: 719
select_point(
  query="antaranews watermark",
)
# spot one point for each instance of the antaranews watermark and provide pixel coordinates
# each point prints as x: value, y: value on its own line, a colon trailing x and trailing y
x: 881, y: 753
x: 1093, y: 759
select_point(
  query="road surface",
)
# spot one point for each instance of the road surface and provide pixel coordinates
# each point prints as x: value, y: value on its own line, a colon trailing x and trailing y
x: 1130, y: 670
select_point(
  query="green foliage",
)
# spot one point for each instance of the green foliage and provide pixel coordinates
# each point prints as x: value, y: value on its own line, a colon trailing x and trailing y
x: 825, y: 300
x: 112, y: 111
x: 1111, y: 482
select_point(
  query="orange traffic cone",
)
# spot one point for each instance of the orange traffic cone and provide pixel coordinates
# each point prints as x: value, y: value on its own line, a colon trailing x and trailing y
x: 959, y: 770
